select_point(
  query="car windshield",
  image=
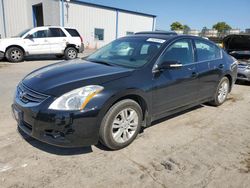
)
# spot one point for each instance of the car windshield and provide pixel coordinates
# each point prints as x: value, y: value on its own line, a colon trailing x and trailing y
x: 21, y: 34
x: 128, y: 52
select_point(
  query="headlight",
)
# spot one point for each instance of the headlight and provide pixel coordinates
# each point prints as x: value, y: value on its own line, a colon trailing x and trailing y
x: 76, y: 99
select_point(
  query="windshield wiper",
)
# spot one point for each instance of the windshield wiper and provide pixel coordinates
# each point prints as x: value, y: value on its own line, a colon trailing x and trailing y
x: 100, y: 62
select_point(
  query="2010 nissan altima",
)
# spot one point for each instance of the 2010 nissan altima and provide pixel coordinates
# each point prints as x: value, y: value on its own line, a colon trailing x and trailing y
x: 110, y: 95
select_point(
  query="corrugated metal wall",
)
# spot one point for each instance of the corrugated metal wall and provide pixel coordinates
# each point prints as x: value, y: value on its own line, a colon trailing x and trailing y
x: 86, y: 19
x: 51, y: 11
x: 128, y: 22
x: 19, y: 14
x: 1, y: 21
x: 15, y: 16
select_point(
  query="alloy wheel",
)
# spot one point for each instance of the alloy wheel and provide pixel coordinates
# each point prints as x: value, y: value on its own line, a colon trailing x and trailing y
x: 223, y: 91
x: 125, y: 125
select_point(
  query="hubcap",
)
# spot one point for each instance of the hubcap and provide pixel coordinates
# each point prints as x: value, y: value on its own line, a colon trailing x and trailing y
x: 223, y: 91
x: 16, y: 54
x: 125, y: 125
x: 72, y: 54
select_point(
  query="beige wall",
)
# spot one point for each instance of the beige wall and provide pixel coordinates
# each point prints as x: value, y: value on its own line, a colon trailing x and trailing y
x: 133, y: 23
x: 1, y: 21
x: 86, y: 19
x: 19, y: 15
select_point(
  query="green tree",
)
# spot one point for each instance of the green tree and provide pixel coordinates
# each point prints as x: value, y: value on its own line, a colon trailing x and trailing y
x: 186, y: 29
x: 222, y: 27
x: 175, y: 26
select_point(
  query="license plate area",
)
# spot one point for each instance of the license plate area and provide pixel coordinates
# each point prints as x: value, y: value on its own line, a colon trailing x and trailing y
x: 17, y: 114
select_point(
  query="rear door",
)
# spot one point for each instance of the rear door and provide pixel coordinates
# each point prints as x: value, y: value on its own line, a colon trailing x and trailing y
x: 177, y: 87
x: 209, y: 67
x: 37, y: 42
x: 57, y: 40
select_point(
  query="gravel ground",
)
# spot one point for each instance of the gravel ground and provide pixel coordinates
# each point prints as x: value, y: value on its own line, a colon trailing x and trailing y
x: 201, y: 147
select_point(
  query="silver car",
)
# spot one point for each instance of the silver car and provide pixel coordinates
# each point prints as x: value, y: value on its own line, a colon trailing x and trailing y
x: 243, y: 70
x: 238, y: 46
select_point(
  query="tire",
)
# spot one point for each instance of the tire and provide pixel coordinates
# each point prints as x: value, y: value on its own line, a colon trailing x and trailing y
x: 70, y: 53
x: 14, y: 54
x: 115, y: 133
x: 221, y: 93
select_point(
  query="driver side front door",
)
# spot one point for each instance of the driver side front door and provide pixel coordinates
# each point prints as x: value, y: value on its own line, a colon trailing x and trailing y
x: 175, y: 87
x: 37, y: 43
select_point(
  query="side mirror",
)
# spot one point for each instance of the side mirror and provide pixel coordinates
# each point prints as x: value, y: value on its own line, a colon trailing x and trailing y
x: 29, y: 36
x: 167, y: 65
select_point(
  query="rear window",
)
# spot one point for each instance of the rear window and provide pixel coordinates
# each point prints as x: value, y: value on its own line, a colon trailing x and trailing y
x: 73, y: 32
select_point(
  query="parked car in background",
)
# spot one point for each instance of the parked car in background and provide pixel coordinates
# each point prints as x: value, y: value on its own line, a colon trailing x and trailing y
x: 122, y: 87
x: 238, y: 46
x: 54, y: 40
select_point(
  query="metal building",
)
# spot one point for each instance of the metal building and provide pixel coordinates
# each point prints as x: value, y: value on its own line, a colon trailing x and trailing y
x: 97, y: 24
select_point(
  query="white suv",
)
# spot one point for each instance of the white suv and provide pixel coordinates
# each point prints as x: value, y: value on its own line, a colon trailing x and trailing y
x: 40, y: 41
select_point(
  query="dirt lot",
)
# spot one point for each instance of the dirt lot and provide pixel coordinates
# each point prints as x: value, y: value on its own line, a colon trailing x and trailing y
x: 202, y: 147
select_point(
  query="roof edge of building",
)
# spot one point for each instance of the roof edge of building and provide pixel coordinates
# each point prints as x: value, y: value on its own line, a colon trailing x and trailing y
x: 112, y: 8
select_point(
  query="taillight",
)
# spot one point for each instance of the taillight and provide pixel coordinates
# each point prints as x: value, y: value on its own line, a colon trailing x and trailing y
x: 81, y: 38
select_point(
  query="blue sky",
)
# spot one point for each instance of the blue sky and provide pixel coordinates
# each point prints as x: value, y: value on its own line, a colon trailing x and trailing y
x: 195, y: 13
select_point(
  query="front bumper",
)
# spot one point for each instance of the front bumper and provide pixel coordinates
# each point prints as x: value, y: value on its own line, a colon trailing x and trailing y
x: 243, y: 74
x: 59, y: 128
x: 81, y: 48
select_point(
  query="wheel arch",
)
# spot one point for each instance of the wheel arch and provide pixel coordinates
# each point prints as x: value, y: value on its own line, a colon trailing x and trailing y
x: 17, y: 46
x: 71, y: 45
x: 230, y: 78
x: 137, y: 96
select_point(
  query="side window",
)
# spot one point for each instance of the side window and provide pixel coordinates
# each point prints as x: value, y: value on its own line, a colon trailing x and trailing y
x: 73, y: 32
x: 148, y: 49
x: 99, y: 34
x: 56, y: 32
x: 181, y: 51
x: 40, y: 34
x: 123, y: 49
x: 206, y: 51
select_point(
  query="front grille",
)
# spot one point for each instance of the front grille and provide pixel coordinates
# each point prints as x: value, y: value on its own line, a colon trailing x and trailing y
x: 27, y: 95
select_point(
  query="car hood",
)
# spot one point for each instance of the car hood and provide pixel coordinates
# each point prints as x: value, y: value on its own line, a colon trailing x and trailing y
x: 65, y: 76
x: 10, y: 40
x: 243, y: 64
x: 237, y: 43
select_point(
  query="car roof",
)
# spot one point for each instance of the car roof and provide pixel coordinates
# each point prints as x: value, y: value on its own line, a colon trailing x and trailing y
x: 50, y: 26
x: 166, y: 36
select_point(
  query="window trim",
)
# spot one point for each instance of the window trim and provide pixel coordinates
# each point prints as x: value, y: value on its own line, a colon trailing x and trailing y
x: 206, y: 42
x: 38, y: 31
x: 49, y: 32
x: 170, y: 44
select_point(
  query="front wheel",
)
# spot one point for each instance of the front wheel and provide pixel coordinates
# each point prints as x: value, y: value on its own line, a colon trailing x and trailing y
x: 221, y: 92
x: 121, y: 124
x: 70, y: 53
x: 14, y: 54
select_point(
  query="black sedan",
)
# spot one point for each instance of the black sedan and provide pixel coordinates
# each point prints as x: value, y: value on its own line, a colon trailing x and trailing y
x: 126, y: 85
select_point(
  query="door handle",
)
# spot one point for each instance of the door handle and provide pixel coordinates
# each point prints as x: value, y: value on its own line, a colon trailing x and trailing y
x: 221, y: 66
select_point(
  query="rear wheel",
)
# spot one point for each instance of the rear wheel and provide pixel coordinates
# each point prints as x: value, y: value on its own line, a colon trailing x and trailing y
x: 70, y: 53
x: 121, y: 124
x: 221, y: 92
x: 14, y: 54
